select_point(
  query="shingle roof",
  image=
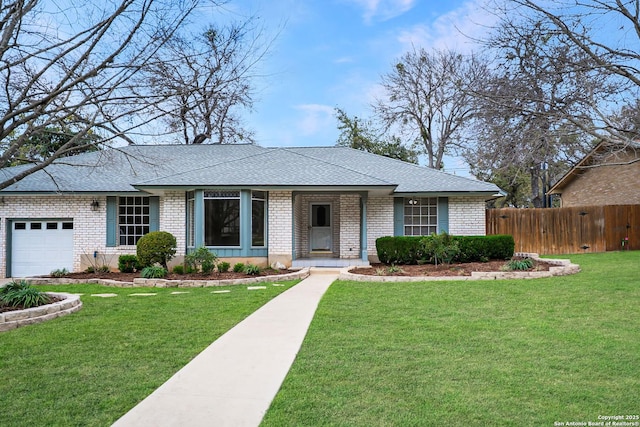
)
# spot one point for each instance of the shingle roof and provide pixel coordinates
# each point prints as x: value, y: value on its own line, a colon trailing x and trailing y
x: 191, y: 166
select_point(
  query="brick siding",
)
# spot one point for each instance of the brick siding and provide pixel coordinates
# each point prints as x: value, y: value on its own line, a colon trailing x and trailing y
x: 467, y: 216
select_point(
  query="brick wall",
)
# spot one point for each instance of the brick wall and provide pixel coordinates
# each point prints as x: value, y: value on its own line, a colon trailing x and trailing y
x: 89, y: 226
x: 349, y: 226
x: 605, y: 185
x: 280, y: 230
x: 379, y: 221
x: 467, y: 216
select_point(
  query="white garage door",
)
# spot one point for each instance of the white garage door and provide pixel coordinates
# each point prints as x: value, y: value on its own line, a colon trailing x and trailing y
x: 40, y: 246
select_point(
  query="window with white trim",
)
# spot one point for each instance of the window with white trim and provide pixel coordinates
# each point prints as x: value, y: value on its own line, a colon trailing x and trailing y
x: 133, y: 219
x: 222, y: 218
x: 420, y: 216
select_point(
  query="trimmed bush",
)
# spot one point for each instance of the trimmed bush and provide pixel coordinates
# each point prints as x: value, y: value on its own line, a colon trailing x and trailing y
x: 156, y: 247
x: 252, y: 270
x: 178, y: 269
x: 238, y: 268
x: 414, y: 249
x: 127, y: 263
x: 224, y: 266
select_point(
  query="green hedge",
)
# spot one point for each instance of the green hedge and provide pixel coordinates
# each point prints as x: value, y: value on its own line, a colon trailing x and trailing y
x: 411, y: 249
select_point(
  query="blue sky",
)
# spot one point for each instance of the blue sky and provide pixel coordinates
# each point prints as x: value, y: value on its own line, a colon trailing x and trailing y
x: 331, y: 53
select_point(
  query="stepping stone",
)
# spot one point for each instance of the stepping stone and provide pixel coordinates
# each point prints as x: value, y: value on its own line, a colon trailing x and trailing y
x: 278, y: 284
x: 253, y: 288
x: 104, y: 295
x: 142, y: 295
x: 178, y: 293
x: 220, y: 292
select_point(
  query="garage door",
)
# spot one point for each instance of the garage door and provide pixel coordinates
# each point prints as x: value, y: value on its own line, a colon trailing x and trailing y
x: 39, y: 247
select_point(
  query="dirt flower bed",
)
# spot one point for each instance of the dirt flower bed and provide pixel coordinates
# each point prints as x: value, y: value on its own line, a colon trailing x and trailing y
x: 7, y: 308
x: 128, y: 277
x: 454, y: 269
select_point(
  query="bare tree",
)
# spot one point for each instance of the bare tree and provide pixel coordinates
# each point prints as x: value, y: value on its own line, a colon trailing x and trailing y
x: 532, y: 114
x: 206, y: 80
x: 607, y: 33
x: 427, y: 97
x: 62, y: 62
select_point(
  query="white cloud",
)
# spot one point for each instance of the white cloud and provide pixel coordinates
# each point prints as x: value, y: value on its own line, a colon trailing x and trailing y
x: 456, y: 30
x: 383, y: 10
x: 316, y: 118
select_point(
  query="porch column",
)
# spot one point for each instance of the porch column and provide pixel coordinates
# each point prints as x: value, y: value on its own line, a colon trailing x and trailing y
x: 280, y: 220
x: 363, y: 227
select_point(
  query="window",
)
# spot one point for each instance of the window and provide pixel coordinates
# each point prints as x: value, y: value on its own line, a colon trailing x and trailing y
x: 36, y: 226
x: 133, y: 219
x: 52, y: 226
x: 420, y: 216
x: 222, y: 218
x: 258, y: 199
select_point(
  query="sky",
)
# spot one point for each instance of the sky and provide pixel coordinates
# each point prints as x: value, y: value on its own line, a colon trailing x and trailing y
x: 332, y: 53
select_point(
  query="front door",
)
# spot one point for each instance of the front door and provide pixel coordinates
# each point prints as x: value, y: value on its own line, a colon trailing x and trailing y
x: 321, y: 234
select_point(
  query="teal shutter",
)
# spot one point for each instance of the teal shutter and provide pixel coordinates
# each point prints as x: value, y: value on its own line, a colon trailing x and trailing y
x: 154, y: 213
x: 443, y: 214
x: 112, y: 211
x: 398, y: 216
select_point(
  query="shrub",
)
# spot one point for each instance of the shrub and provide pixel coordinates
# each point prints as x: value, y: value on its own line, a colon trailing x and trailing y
x: 520, y: 264
x: 440, y: 248
x: 103, y: 269
x: 127, y: 263
x: 178, y: 269
x: 156, y: 247
x: 412, y: 250
x: 238, y: 267
x: 21, y: 294
x: 60, y: 272
x: 154, y: 272
x: 252, y: 270
x: 201, y: 259
x: 90, y: 269
x: 224, y: 266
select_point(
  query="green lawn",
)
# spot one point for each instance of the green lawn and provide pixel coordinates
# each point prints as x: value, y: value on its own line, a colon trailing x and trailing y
x: 481, y: 353
x: 91, y: 367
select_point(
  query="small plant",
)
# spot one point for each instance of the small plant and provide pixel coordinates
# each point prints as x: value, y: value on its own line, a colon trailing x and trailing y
x: 178, y: 269
x: 157, y: 247
x: 154, y: 272
x: 393, y: 269
x: 224, y: 266
x: 252, y: 270
x: 381, y: 272
x: 238, y: 267
x: 103, y: 269
x: 90, y: 269
x: 60, y: 272
x: 21, y: 294
x: 127, y: 263
x: 201, y: 259
x: 98, y: 262
x: 520, y: 264
x: 441, y: 247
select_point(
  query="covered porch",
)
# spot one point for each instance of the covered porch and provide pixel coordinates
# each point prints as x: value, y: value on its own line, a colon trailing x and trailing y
x: 329, y: 229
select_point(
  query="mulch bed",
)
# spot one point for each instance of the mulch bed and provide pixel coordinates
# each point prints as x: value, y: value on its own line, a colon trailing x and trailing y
x: 454, y: 269
x: 128, y: 277
x: 6, y: 308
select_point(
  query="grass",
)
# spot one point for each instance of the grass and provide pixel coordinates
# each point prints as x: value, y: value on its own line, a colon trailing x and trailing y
x: 91, y: 367
x: 499, y: 353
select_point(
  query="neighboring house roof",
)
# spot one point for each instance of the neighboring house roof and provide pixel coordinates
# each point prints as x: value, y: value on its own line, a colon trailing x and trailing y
x: 589, y: 160
x: 152, y: 167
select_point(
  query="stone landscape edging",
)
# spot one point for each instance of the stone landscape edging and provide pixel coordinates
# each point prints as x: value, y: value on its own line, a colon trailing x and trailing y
x: 165, y: 283
x: 562, y: 267
x: 14, y: 319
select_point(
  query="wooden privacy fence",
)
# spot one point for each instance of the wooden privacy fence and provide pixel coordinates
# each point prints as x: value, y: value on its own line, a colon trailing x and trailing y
x: 569, y: 230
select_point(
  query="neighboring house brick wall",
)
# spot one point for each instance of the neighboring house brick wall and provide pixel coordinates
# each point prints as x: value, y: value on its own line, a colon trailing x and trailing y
x: 349, y: 226
x: 379, y: 222
x: 467, y: 216
x: 605, y: 185
x: 280, y: 230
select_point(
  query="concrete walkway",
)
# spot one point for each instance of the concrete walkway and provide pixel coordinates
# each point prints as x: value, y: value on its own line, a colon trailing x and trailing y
x: 233, y: 381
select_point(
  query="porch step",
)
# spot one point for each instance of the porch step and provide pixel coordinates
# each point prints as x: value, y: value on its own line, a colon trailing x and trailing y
x: 328, y: 262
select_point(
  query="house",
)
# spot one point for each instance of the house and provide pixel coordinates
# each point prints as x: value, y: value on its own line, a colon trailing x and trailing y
x: 606, y: 176
x: 295, y: 206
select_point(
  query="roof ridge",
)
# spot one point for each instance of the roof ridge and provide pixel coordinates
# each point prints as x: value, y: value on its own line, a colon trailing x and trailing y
x: 289, y: 149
